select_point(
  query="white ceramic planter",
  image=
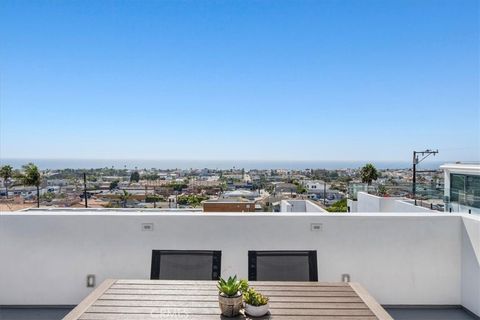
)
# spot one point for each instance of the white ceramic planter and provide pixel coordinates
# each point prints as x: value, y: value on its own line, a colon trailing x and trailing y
x: 256, y: 311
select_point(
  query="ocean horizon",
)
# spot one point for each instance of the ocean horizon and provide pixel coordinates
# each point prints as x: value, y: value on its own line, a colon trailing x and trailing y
x: 54, y: 164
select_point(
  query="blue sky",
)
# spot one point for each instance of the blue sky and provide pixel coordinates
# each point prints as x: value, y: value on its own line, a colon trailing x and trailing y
x: 257, y: 80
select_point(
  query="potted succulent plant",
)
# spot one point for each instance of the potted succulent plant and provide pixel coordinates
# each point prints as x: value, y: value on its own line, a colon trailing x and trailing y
x: 230, y: 296
x: 256, y: 304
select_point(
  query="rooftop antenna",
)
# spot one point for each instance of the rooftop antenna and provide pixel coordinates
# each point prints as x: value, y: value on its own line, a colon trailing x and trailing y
x: 419, y: 156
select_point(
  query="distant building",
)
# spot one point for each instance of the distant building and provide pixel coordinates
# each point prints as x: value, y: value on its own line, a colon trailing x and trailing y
x: 462, y: 187
x: 57, y: 182
x: 205, y: 182
x: 316, y: 186
x: 229, y: 205
x: 247, y: 194
x: 285, y: 188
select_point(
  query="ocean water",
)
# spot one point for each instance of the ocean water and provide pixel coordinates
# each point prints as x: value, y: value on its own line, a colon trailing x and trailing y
x: 210, y: 164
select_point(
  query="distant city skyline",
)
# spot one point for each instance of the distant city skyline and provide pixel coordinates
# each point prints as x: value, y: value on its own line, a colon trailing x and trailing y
x: 140, y: 164
x: 239, y: 80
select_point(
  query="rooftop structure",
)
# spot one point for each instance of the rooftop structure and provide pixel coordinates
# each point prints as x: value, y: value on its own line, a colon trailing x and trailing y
x: 366, y: 202
x: 300, y: 206
x: 462, y: 187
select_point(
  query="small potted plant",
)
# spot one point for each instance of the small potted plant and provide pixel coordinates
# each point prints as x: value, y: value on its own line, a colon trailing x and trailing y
x: 230, y: 296
x: 256, y: 304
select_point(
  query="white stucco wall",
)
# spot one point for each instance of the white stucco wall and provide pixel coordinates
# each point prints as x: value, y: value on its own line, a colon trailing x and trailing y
x: 312, y: 207
x: 292, y: 206
x: 300, y: 206
x: 285, y: 206
x: 367, y: 202
x: 403, y: 206
x: 399, y: 258
x: 471, y: 263
x: 353, y: 205
x: 371, y: 203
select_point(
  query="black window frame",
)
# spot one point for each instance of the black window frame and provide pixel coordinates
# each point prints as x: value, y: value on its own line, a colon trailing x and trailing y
x: 311, y: 254
x: 157, y: 254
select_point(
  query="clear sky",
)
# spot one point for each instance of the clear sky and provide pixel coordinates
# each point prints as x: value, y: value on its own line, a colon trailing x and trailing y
x: 258, y: 80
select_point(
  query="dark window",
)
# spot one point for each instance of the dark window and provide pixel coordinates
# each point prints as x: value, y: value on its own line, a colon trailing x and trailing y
x: 465, y: 189
x: 282, y: 266
x: 457, y: 186
x: 186, y: 265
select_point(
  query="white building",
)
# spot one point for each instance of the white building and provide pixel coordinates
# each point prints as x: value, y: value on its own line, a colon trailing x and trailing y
x: 316, y: 186
x: 462, y: 187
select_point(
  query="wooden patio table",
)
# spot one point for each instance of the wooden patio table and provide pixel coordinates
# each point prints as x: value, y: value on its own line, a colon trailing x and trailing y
x: 198, y: 300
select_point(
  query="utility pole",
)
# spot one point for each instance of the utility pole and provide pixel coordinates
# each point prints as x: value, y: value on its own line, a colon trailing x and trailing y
x: 416, y: 160
x: 85, y: 189
x: 154, y: 197
x: 324, y: 193
x: 176, y: 199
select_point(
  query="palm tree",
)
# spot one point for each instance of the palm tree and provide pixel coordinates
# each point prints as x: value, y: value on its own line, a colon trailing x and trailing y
x: 369, y: 173
x: 32, y: 177
x: 124, y: 197
x: 382, y: 190
x: 6, y: 172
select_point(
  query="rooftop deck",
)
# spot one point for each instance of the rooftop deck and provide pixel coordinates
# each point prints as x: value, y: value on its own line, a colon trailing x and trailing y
x: 412, y: 259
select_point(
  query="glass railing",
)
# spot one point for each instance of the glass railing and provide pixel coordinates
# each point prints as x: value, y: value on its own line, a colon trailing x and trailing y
x: 423, y: 191
x: 460, y: 201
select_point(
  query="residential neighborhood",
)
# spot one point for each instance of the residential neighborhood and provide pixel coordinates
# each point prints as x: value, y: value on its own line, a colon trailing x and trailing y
x: 197, y: 188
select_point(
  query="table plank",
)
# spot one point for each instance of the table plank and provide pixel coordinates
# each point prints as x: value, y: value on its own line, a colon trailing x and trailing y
x: 209, y: 282
x: 214, y: 304
x: 215, y: 292
x: 208, y: 287
x: 215, y: 298
x: 216, y: 310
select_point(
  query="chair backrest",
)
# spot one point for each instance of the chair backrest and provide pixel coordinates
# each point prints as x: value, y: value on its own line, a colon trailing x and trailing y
x: 282, y: 266
x: 186, y: 265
